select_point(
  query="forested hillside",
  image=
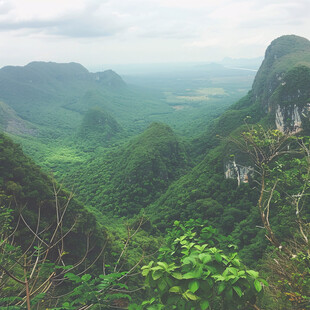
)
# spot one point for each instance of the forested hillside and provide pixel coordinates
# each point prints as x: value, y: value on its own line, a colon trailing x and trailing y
x: 206, y: 190
x: 197, y: 204
x: 129, y: 178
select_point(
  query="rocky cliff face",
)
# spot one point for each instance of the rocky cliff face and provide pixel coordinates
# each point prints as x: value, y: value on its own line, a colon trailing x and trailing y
x: 282, y: 84
x: 291, y: 101
x: 236, y: 171
x: 282, y: 91
x: 289, y: 119
x: 11, y: 123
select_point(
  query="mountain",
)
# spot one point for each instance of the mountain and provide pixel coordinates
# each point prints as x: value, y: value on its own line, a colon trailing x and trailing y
x: 153, y: 171
x: 110, y: 78
x: 282, y: 55
x: 156, y: 174
x: 283, y: 71
x: 98, y: 127
x: 27, y: 190
x: 11, y: 123
x: 282, y: 83
x: 40, y: 92
x: 210, y: 190
x: 133, y: 175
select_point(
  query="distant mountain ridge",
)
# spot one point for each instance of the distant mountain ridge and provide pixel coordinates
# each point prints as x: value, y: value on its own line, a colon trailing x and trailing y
x: 53, y: 79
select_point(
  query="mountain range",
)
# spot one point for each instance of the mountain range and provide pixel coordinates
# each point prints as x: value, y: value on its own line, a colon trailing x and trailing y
x: 95, y: 133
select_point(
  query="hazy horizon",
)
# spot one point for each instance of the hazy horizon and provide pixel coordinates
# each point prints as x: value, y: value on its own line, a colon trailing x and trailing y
x: 96, y: 32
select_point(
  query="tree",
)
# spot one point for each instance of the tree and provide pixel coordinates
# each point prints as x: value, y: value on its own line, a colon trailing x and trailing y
x: 282, y: 166
x: 196, y: 271
x: 41, y: 272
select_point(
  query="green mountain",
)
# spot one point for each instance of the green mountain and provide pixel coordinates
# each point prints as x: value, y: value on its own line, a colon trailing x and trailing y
x: 281, y: 84
x: 211, y: 190
x: 84, y: 128
x: 54, y: 97
x: 40, y: 92
x: 282, y: 55
x: 27, y: 190
x: 132, y: 176
x: 98, y: 127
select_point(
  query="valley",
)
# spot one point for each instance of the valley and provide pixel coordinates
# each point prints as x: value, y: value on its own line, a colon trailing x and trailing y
x: 198, y: 167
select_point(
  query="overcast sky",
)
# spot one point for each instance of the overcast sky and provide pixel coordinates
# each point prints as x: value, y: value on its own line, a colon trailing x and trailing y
x: 95, y: 32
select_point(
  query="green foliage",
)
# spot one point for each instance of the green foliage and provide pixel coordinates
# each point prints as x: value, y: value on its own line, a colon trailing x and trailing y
x: 197, y: 275
x: 127, y: 179
x: 76, y: 131
x: 99, y: 292
x: 98, y: 127
x: 30, y: 195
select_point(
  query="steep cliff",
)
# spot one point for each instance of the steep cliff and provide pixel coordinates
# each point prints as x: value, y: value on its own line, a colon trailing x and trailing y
x: 282, y: 84
x: 291, y: 101
x: 280, y: 91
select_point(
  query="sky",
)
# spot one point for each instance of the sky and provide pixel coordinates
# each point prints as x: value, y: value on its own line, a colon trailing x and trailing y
x: 107, y: 32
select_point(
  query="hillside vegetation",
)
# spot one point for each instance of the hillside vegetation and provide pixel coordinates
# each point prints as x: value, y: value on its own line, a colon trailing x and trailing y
x: 231, y: 194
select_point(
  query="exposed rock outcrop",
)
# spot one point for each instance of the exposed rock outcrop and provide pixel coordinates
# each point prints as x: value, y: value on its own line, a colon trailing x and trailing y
x: 288, y: 119
x: 236, y: 171
x: 281, y: 91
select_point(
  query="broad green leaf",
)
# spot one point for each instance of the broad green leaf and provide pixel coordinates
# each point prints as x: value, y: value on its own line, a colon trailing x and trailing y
x: 201, y: 247
x: 144, y: 267
x: 86, y: 277
x: 157, y: 274
x: 193, y: 286
x: 252, y: 273
x: 218, y: 257
x: 212, y: 269
x: 238, y: 290
x: 175, y: 289
x: 73, y: 277
x: 219, y: 277
x: 189, y: 275
x: 163, y: 265
x: 191, y: 296
x: 204, y: 304
x: 257, y: 285
x: 189, y: 260
x: 205, y: 258
x: 177, y: 275
x: 236, y: 262
x: 221, y: 288
x: 263, y: 281
x: 145, y: 272
x: 197, y: 273
x: 162, y: 285
x: 233, y: 270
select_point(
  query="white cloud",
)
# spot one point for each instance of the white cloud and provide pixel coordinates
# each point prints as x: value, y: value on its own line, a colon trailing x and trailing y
x: 145, y: 30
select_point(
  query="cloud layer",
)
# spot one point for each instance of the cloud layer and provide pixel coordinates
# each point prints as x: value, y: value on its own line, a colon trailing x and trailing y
x: 198, y: 29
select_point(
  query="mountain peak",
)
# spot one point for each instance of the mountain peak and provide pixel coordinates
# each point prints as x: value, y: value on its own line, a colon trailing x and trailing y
x: 282, y: 55
x: 285, y: 45
x: 110, y: 78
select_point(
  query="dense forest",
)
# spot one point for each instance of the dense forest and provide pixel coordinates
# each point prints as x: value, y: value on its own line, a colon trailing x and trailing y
x: 170, y: 194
